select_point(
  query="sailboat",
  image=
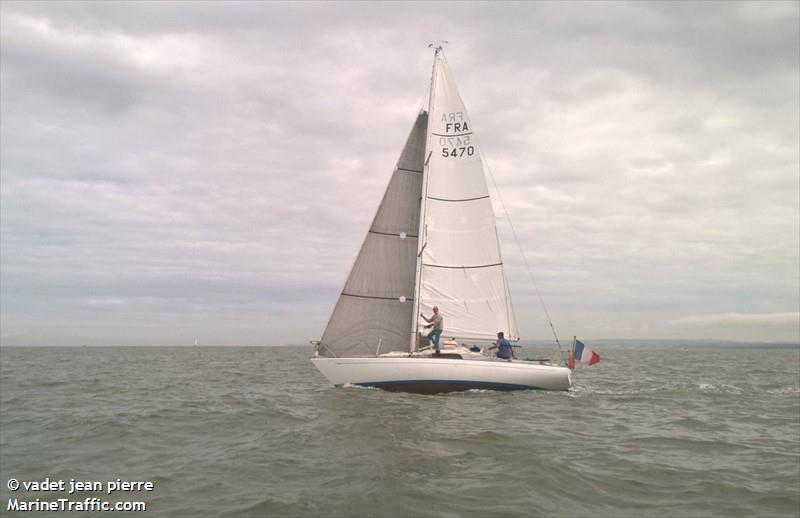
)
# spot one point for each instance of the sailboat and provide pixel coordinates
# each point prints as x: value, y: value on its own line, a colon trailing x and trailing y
x: 432, y: 242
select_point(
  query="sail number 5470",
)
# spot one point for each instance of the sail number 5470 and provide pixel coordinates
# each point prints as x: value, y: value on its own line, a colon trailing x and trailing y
x: 455, y: 152
x: 456, y: 146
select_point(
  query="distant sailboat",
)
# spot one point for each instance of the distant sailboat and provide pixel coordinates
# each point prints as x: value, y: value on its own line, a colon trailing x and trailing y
x: 433, y: 242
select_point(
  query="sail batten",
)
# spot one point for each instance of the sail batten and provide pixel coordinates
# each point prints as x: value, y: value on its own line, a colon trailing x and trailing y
x: 451, y: 134
x: 399, y: 234
x: 371, y: 297
x: 460, y: 266
x: 464, y: 199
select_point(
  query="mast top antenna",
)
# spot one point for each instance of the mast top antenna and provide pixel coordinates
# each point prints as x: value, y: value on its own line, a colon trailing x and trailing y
x: 438, y: 45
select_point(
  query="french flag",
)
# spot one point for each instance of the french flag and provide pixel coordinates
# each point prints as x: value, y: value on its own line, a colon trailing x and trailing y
x: 585, y: 355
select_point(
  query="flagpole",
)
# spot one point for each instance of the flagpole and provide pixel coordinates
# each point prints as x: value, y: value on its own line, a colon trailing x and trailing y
x: 571, y: 355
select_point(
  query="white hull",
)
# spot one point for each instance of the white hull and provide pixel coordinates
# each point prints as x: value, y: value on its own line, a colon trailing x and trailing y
x: 434, y: 375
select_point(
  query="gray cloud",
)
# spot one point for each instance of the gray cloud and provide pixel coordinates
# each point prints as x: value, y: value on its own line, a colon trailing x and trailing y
x: 181, y: 170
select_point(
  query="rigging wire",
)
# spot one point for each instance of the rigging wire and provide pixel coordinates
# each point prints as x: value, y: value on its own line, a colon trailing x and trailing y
x: 522, y: 252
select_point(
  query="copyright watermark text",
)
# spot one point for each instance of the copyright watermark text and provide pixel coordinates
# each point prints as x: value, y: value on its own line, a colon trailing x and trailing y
x: 26, y: 489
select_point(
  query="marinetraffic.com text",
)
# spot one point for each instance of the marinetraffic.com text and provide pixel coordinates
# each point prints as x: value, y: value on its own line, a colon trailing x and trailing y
x: 38, y: 495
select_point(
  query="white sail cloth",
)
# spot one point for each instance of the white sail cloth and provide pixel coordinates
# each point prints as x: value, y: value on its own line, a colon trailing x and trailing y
x: 461, y: 267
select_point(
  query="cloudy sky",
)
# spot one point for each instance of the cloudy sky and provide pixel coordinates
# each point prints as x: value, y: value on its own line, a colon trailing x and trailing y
x: 173, y: 171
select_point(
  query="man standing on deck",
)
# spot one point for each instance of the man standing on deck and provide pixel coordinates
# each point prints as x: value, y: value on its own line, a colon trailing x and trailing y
x: 437, y: 323
x: 504, y: 348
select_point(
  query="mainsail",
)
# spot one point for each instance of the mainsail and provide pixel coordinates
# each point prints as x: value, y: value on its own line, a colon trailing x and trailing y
x: 375, y: 308
x: 460, y: 268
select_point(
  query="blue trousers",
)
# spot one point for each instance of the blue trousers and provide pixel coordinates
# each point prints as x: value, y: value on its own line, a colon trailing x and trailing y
x: 434, y: 337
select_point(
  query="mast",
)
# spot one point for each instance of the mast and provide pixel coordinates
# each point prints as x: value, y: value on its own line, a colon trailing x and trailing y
x: 422, y: 239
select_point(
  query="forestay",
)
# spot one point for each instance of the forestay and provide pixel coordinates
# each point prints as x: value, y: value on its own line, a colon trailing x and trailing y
x: 375, y: 308
x: 461, y: 269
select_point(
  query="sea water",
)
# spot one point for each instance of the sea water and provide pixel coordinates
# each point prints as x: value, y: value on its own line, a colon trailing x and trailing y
x: 669, y: 431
